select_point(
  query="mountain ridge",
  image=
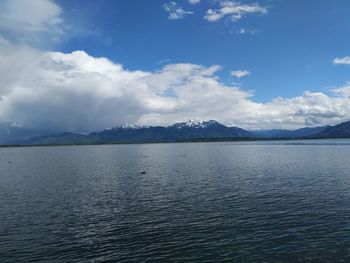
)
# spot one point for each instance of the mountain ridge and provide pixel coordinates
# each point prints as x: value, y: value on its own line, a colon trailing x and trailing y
x: 341, y: 130
x: 191, y: 130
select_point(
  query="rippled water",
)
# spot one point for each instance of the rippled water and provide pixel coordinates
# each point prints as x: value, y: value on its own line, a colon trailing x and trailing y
x: 196, y: 202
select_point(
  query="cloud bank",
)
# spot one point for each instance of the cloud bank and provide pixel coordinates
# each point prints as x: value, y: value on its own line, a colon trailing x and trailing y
x: 79, y: 92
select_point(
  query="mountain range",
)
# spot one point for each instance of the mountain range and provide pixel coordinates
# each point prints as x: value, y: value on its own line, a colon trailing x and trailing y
x: 179, y: 132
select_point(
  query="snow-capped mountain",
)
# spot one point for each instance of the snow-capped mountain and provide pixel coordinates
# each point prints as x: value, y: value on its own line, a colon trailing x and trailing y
x: 128, y: 133
x: 186, y: 124
x: 191, y: 130
x: 195, y: 124
x: 128, y: 126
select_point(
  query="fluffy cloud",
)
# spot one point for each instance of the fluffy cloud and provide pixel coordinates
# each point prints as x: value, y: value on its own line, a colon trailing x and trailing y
x: 175, y: 11
x: 235, y: 10
x: 78, y: 92
x: 342, y: 61
x: 30, y: 20
x: 13, y: 62
x: 240, y: 73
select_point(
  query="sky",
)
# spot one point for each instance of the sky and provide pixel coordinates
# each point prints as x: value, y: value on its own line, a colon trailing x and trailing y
x: 84, y: 66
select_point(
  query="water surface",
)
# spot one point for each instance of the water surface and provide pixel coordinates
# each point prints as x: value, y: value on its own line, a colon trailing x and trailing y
x: 280, y: 201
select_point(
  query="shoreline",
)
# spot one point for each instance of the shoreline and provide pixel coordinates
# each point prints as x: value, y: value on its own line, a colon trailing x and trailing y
x: 198, y: 140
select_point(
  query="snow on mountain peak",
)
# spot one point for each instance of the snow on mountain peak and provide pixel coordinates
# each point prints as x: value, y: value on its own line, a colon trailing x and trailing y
x: 126, y: 126
x: 129, y: 126
x: 195, y: 124
x: 192, y: 123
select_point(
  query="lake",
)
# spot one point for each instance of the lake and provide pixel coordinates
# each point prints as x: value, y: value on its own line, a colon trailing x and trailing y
x: 278, y: 201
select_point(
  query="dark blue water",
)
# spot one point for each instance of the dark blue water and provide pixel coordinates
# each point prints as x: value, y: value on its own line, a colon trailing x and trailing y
x: 196, y: 202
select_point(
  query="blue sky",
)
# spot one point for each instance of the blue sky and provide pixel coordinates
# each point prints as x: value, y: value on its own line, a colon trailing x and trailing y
x: 88, y: 65
x: 289, y: 50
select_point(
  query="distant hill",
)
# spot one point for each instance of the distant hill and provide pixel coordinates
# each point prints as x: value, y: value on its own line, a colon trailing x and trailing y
x: 10, y: 132
x: 183, y: 131
x: 341, y: 130
x: 299, y: 133
x: 179, y: 132
x: 57, y: 139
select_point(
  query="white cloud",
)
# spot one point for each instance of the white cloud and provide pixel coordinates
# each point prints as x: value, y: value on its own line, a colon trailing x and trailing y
x: 13, y: 62
x: 240, y: 73
x: 343, y: 91
x: 175, y: 11
x: 78, y: 92
x: 235, y: 10
x: 30, y: 20
x: 193, y: 2
x: 342, y: 61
